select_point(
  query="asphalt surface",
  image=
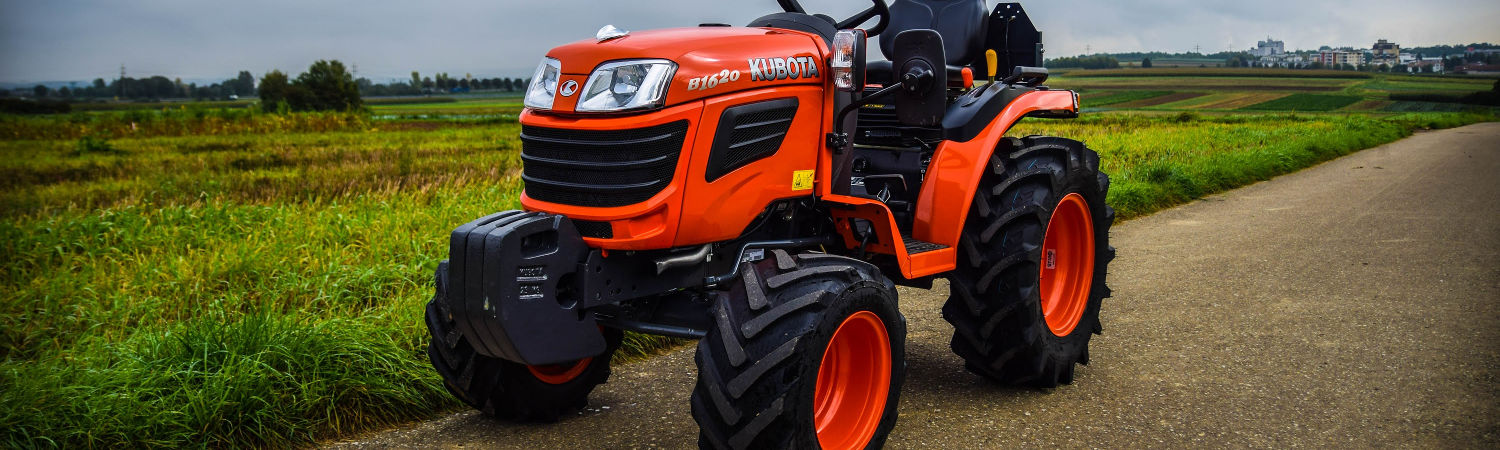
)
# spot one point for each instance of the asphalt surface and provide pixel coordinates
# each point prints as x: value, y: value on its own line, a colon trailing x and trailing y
x: 1352, y: 304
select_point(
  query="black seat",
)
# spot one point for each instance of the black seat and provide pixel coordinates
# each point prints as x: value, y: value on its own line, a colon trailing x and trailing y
x: 961, y: 23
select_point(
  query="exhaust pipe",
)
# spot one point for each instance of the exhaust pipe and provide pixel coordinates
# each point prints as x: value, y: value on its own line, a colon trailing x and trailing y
x: 690, y: 259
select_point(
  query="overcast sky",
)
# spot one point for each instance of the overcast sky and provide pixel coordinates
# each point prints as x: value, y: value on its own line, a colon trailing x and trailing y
x: 43, y: 40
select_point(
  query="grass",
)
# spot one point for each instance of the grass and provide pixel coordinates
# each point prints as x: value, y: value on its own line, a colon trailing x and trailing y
x: 226, y: 278
x: 1158, y: 161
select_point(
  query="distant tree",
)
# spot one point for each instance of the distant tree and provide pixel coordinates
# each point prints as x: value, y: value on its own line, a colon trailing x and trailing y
x: 243, y: 84
x: 332, y: 88
x: 416, y: 80
x: 40, y: 91
x: 1146, y: 63
x: 273, y: 91
x: 427, y: 83
x: 64, y: 92
x: 99, y: 84
x: 1082, y: 62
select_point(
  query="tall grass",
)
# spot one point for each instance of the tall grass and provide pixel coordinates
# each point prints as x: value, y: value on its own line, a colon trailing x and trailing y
x: 174, y: 121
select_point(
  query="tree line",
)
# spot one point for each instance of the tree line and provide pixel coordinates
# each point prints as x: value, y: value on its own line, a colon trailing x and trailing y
x: 440, y: 83
x: 154, y: 87
x: 244, y: 85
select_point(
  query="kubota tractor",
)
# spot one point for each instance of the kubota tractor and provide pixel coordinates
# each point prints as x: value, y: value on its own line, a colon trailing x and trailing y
x: 763, y: 189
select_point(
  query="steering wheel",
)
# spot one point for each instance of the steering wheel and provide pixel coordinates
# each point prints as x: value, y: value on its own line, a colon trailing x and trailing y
x: 879, y: 10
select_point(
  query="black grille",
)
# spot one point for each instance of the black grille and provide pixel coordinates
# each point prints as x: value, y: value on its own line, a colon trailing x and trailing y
x: 599, y: 230
x: 600, y: 168
x: 748, y: 133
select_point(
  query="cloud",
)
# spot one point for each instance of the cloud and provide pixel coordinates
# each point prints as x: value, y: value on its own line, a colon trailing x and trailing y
x: 84, y: 39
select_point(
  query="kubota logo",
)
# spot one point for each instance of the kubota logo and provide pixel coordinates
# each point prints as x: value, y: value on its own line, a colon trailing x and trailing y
x: 569, y: 88
x: 772, y: 69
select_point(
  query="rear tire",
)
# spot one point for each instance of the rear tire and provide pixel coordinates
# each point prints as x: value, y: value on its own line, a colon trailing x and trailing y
x: 1033, y: 187
x: 762, y: 381
x: 506, y: 389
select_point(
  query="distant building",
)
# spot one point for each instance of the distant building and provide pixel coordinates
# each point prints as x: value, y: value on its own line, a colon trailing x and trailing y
x: 1268, y: 47
x: 1337, y: 58
x: 1478, y: 69
x: 1285, y: 60
x: 1426, y: 65
x: 1385, y: 52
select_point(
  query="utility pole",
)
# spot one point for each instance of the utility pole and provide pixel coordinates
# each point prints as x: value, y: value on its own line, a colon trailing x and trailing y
x: 1088, y: 49
x: 1197, y: 49
x: 120, y: 85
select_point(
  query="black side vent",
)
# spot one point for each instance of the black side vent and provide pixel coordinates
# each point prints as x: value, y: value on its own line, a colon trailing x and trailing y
x: 748, y: 133
x: 600, y: 168
x: 592, y: 229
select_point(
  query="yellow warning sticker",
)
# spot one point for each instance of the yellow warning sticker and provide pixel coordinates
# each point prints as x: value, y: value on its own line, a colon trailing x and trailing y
x: 802, y: 180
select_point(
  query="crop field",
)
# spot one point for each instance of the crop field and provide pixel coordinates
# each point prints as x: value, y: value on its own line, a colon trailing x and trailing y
x: 1225, y: 90
x: 228, y: 278
x: 482, y: 106
x: 1162, y: 100
x: 1108, y: 98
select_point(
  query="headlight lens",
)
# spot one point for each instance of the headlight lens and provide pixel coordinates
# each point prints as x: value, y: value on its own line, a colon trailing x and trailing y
x: 543, y: 84
x: 627, y: 85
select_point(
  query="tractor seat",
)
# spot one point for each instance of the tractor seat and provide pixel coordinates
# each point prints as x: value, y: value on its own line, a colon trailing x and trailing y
x: 961, y: 23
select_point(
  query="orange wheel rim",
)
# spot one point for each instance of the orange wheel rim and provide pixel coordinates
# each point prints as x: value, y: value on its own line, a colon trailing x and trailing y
x: 853, y: 382
x: 559, y: 373
x: 1067, y: 271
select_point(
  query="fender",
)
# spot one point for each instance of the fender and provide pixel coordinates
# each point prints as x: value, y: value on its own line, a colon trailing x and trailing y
x: 953, y: 175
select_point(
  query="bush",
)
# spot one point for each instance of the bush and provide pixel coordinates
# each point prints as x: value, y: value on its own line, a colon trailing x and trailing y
x: 93, y: 144
x: 18, y: 106
x: 325, y: 86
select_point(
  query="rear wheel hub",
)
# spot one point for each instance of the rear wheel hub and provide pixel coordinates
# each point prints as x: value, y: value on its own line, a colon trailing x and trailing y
x: 1067, y: 271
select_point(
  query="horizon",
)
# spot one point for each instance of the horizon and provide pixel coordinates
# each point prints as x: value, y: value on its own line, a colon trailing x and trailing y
x: 385, y: 41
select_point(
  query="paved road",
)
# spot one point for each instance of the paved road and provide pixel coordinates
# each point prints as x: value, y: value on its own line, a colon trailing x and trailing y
x: 1353, y: 304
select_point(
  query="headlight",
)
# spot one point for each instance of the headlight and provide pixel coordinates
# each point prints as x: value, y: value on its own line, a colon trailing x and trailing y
x: 543, y: 84
x: 627, y: 85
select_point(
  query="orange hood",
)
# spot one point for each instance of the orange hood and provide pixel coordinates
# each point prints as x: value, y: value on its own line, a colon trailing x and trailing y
x: 710, y: 60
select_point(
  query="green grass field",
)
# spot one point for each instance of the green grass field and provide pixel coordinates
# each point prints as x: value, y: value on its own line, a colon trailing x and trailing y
x: 227, y: 278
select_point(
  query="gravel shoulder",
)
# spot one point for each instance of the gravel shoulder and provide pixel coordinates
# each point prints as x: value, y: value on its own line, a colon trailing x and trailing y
x: 1352, y: 304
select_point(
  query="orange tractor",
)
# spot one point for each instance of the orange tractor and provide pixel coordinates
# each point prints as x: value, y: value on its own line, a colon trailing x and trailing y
x: 763, y: 189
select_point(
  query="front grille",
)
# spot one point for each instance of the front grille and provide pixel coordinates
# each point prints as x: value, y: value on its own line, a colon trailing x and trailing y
x: 592, y: 229
x: 600, y: 168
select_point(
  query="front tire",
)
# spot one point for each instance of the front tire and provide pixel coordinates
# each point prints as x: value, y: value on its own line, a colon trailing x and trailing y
x: 1026, y: 293
x: 808, y: 351
x: 506, y: 389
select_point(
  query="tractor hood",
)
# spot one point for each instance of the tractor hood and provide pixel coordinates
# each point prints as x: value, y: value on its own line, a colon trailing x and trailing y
x: 710, y: 60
